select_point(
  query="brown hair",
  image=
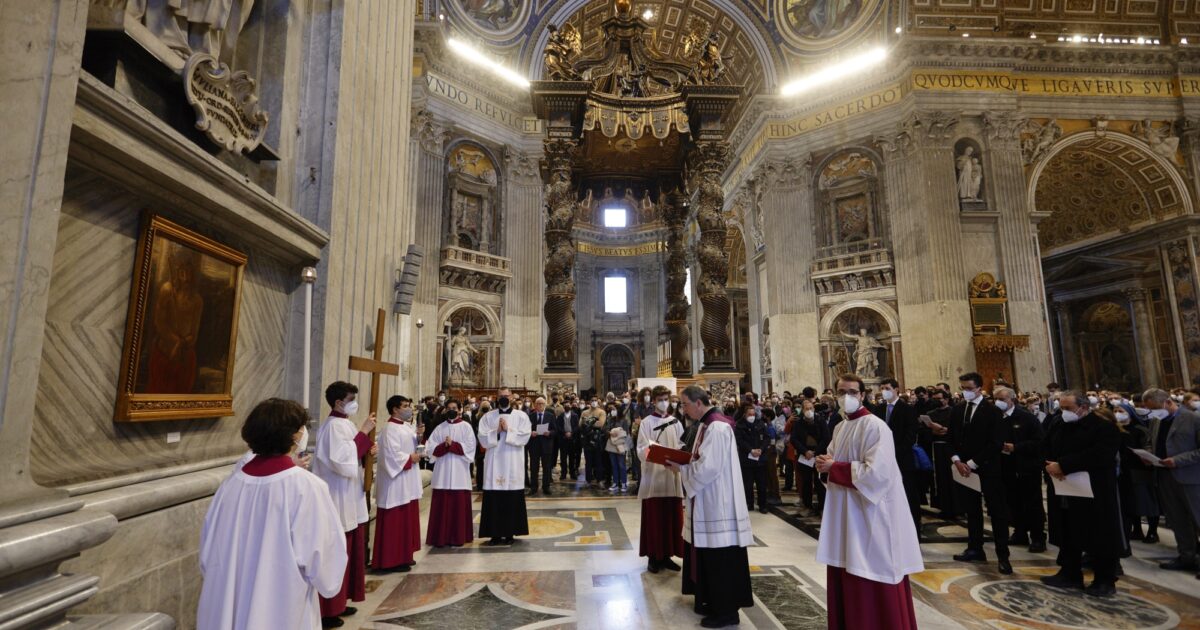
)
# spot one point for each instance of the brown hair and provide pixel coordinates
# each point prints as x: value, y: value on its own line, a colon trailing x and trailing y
x: 853, y: 378
x: 272, y: 425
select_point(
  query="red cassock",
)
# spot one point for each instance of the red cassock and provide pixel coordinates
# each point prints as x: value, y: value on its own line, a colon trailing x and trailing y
x: 662, y: 528
x: 450, y: 516
x: 354, y: 585
x: 856, y: 603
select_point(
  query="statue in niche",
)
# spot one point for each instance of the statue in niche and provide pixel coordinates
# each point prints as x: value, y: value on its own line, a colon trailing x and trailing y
x: 766, y: 345
x: 195, y: 26
x: 462, y: 359
x: 1038, y: 144
x: 970, y: 175
x: 647, y: 208
x: 866, y: 361
x: 563, y: 48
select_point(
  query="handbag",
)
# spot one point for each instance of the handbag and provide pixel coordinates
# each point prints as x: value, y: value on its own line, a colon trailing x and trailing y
x: 921, y: 459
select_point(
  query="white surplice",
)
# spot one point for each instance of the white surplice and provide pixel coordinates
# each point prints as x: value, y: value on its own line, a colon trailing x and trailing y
x: 397, y: 486
x: 715, y: 513
x: 452, y: 471
x: 504, y: 461
x: 868, y: 530
x: 658, y: 480
x: 336, y: 463
x: 268, y: 547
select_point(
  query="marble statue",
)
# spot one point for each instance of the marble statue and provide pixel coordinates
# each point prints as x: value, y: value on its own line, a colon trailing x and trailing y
x: 462, y: 358
x: 970, y: 175
x: 1038, y: 144
x: 195, y: 26
x: 866, y: 363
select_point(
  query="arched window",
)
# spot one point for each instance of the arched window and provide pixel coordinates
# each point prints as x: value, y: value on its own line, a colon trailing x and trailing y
x: 616, y: 296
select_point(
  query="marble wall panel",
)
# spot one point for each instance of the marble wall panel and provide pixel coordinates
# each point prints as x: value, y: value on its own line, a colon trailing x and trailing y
x: 74, y: 436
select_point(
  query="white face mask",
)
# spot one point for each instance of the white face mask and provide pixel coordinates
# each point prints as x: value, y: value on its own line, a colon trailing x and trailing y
x: 1069, y: 416
x: 595, y: 404
x: 406, y: 414
x: 1141, y: 411
x: 1177, y: 398
x: 661, y: 406
x: 1159, y: 413
x: 1122, y: 418
x: 441, y: 399
x: 674, y: 404
x: 889, y: 395
x: 749, y: 418
x: 302, y: 441
x: 1054, y: 404
x: 350, y: 408
x: 850, y: 404
x: 1195, y: 404
x: 1002, y: 405
x: 809, y: 414
x: 624, y: 401
x: 1114, y: 401
x: 969, y: 395
x: 646, y: 399
x: 1093, y: 400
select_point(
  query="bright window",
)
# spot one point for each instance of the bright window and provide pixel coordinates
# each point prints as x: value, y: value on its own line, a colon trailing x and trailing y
x: 616, y: 217
x: 614, y: 295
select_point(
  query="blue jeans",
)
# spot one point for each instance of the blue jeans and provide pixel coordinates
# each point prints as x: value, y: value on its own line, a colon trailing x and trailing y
x: 618, y: 468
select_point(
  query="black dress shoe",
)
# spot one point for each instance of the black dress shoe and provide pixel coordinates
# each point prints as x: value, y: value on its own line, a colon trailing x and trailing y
x: 1099, y: 589
x: 332, y: 622
x: 971, y: 555
x: 1151, y: 539
x: 1005, y: 567
x: 494, y: 542
x: 1037, y: 547
x: 1019, y: 539
x: 763, y: 510
x: 700, y: 609
x: 720, y: 621
x: 350, y: 610
x: 1059, y: 580
x: 1178, y: 564
x: 652, y: 566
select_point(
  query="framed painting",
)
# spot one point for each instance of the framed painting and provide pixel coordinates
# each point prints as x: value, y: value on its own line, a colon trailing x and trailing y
x: 181, y: 330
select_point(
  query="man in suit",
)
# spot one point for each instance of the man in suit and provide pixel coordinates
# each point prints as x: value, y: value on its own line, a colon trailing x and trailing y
x: 568, y: 442
x: 541, y: 446
x: 1175, y: 439
x: 901, y: 418
x: 976, y: 441
x: 1021, y: 470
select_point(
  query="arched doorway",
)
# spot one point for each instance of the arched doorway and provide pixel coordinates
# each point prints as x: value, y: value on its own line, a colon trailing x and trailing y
x: 616, y: 364
x: 1106, y: 346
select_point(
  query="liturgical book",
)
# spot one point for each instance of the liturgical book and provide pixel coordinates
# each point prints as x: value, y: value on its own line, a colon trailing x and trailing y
x: 660, y: 454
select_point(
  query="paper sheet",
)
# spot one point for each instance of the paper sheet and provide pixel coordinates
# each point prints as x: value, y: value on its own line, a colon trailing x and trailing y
x: 810, y: 462
x: 752, y: 457
x: 1148, y: 456
x: 543, y: 428
x: 971, y: 482
x: 1075, y: 485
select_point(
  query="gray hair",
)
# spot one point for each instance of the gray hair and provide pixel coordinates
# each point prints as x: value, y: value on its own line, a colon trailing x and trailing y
x: 1155, y: 395
x: 695, y: 393
x: 1006, y: 392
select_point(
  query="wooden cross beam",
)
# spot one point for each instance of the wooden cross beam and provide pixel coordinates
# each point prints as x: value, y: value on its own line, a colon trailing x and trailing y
x: 377, y: 367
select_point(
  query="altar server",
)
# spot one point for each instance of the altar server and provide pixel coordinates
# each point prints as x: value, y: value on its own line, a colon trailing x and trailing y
x: 660, y: 490
x: 450, y: 517
x: 716, y: 528
x: 504, y: 432
x: 272, y: 541
x: 340, y: 449
x: 398, y: 491
x: 868, y: 538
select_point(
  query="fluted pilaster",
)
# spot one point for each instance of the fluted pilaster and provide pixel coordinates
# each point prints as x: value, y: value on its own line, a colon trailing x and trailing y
x: 1072, y: 366
x: 428, y: 138
x: 1143, y: 331
x: 522, y: 315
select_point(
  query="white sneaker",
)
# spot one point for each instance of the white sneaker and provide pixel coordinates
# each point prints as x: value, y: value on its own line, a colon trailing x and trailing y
x: 612, y: 488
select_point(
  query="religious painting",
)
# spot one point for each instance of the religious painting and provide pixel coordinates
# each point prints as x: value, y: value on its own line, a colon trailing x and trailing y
x: 853, y: 219
x: 492, y: 14
x: 822, y: 19
x: 181, y: 330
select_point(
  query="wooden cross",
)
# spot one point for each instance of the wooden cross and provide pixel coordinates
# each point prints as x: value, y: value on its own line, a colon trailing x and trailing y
x: 377, y: 367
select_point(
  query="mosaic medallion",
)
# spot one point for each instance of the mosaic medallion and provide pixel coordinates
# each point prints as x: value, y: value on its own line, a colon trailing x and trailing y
x: 1034, y: 601
x: 822, y: 24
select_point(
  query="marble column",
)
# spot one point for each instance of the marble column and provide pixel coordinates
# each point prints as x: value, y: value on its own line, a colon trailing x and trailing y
x: 1072, y: 365
x: 1143, y: 331
x: 1019, y: 256
x: 427, y: 145
x: 707, y: 160
x: 788, y: 217
x: 522, y: 349
x: 676, y: 317
x: 931, y: 274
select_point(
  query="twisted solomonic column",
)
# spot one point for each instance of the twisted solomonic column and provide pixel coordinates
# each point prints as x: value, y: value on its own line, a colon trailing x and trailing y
x: 675, y: 213
x: 706, y: 162
x: 561, y: 206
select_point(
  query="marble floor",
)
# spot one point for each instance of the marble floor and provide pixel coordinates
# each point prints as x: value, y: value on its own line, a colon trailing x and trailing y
x: 579, y: 568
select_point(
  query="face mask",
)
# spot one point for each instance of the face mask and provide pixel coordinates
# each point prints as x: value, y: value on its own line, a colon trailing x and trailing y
x: 850, y: 404
x: 1177, y: 398
x: 1123, y: 418
x: 674, y: 404
x: 809, y: 414
x: 1195, y: 404
x: 1159, y: 414
x: 624, y: 401
x: 1114, y: 401
x: 1093, y: 400
x: 1070, y: 416
x: 969, y: 395
x: 646, y: 399
x: 1141, y: 411
x: 1033, y: 407
x: 350, y: 408
x: 441, y: 399
x: 787, y: 411
x: 474, y: 406
x: 1002, y: 405
x: 1054, y: 404
x: 503, y: 402
x: 595, y: 404
x: 749, y: 418
x: 406, y: 414
x: 889, y: 395
x: 302, y: 441
x: 661, y: 405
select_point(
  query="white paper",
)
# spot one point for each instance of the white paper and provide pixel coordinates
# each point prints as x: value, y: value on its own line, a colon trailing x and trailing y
x: 752, y: 457
x: 1148, y: 456
x: 1075, y: 485
x: 971, y: 481
x: 810, y: 462
x: 543, y: 428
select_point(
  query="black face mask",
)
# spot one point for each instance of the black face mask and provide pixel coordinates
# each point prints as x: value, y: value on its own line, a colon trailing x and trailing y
x: 503, y: 402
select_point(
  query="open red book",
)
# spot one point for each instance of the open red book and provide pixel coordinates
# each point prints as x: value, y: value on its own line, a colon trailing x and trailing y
x: 660, y: 454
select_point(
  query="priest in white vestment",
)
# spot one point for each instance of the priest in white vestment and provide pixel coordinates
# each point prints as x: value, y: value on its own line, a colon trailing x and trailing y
x: 504, y: 432
x: 660, y: 489
x: 867, y: 534
x: 450, y: 519
x: 397, y: 490
x: 271, y: 541
x: 340, y: 449
x: 716, y: 527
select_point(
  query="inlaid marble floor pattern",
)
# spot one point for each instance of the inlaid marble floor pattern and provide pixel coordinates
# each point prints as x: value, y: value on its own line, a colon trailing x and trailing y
x: 580, y: 569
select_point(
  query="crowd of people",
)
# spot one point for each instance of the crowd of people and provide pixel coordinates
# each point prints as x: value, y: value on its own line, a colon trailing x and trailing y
x: 1085, y: 471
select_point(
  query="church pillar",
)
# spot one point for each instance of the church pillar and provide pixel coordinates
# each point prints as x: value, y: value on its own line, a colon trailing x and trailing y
x: 522, y: 316
x: 1020, y: 259
x: 675, y: 215
x: 1071, y: 361
x: 428, y: 143
x: 708, y: 161
x: 559, y: 265
x: 931, y: 274
x: 788, y: 217
x: 1143, y: 332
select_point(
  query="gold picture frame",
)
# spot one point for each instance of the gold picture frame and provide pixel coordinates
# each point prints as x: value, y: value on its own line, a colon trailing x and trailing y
x: 181, y: 331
